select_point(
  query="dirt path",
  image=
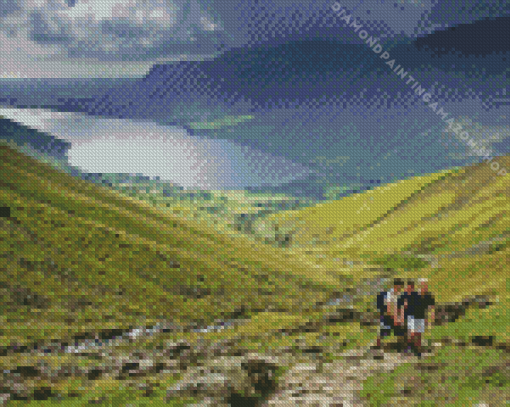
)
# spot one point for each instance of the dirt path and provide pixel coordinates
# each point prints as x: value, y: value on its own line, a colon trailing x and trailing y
x: 334, y: 384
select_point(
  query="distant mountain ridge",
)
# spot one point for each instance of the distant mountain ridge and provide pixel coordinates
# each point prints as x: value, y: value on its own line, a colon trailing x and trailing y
x: 270, y: 74
x: 314, y: 97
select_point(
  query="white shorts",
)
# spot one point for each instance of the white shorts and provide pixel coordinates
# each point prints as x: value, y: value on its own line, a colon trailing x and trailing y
x: 415, y: 325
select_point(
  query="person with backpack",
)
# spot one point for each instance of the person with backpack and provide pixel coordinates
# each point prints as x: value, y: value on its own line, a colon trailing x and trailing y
x: 387, y: 306
x: 413, y: 310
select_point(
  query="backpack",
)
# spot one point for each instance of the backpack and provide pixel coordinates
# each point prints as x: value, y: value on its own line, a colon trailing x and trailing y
x: 381, y: 302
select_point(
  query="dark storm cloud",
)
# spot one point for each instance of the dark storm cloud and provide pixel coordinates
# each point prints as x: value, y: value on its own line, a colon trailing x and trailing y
x: 44, y: 31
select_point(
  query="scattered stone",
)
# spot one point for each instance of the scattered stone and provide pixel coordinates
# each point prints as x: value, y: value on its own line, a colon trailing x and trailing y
x: 26, y: 372
x: 261, y: 373
x: 95, y: 374
x: 482, y: 340
x: 430, y: 367
x: 229, y: 380
x: 342, y: 315
x: 4, y: 398
x: 97, y: 400
x: 212, y: 385
x: 175, y: 349
x: 43, y: 393
x: 450, y: 312
x: 139, y: 365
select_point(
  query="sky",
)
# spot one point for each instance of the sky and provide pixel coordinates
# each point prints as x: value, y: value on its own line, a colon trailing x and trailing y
x: 98, y: 38
x: 91, y: 38
x: 243, y: 93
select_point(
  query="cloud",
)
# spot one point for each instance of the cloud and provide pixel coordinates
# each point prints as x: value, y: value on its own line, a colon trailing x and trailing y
x: 48, y: 31
x: 53, y: 32
x: 35, y: 33
x: 8, y: 7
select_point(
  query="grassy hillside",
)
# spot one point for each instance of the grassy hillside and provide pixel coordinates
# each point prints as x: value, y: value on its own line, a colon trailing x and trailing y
x: 125, y: 261
x: 448, y: 226
x: 76, y: 259
x: 225, y: 211
x: 433, y: 212
x: 438, y: 213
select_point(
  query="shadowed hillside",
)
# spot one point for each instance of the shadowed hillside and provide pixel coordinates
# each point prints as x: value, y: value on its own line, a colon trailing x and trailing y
x: 39, y: 141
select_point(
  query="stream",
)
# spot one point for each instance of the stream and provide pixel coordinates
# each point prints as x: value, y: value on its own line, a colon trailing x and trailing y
x: 83, y: 345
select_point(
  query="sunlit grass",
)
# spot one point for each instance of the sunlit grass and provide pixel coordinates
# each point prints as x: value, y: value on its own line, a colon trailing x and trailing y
x: 337, y: 220
x: 457, y: 377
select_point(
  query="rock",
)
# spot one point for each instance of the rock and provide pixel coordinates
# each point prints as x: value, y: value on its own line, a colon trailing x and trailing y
x: 230, y: 380
x: 224, y: 348
x: 430, y: 367
x: 190, y: 291
x: 25, y: 296
x: 212, y: 385
x: 350, y: 314
x: 209, y: 402
x: 4, y: 398
x: 64, y: 371
x: 450, y: 312
x: 26, y: 372
x: 97, y: 400
x: 261, y: 373
x: 94, y: 374
x: 369, y: 318
x: 175, y: 349
x: 482, y: 340
x: 139, y: 365
x: 342, y: 315
x: 43, y: 393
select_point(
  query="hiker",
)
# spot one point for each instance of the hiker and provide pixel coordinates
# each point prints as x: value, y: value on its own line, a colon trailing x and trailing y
x: 413, y: 310
x: 387, y: 306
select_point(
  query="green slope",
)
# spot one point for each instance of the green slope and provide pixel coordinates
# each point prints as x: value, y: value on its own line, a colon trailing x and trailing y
x: 423, y: 213
x: 77, y: 258
x: 68, y: 242
x: 452, y: 228
x: 446, y: 212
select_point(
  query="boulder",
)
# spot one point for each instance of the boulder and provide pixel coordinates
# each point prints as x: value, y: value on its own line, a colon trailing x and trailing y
x: 229, y: 380
x: 184, y: 353
x: 261, y: 373
x: 141, y: 365
x: 218, y: 386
